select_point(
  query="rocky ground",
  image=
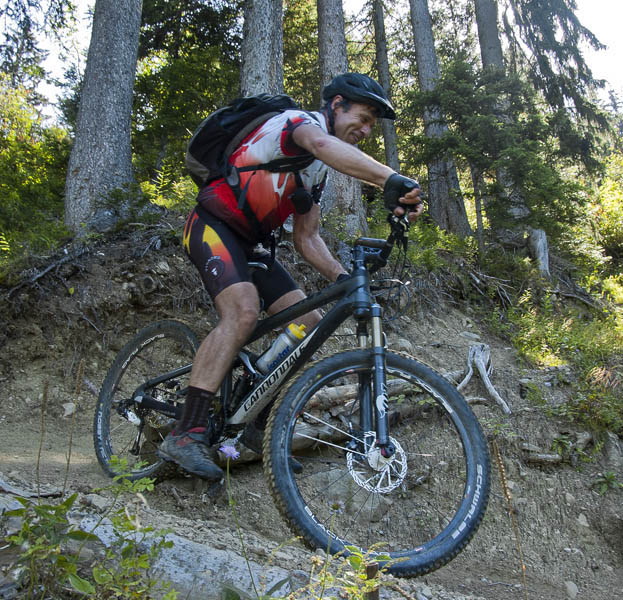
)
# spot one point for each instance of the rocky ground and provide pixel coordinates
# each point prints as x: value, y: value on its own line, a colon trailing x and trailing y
x: 76, y: 316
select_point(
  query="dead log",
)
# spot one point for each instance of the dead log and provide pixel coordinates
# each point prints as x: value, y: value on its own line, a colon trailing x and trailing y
x: 538, y: 248
x: 343, y: 394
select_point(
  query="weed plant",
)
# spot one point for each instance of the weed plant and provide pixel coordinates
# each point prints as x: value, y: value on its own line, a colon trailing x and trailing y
x: 330, y: 576
x: 50, y: 566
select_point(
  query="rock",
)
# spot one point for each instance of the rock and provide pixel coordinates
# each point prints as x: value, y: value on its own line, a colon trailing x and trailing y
x: 98, y: 502
x: 583, y: 521
x: 583, y: 439
x: 162, y: 268
x: 201, y: 572
x: 470, y: 335
x: 69, y: 409
x: 403, y: 345
x: 571, y: 589
x: 569, y: 498
x: 613, y: 452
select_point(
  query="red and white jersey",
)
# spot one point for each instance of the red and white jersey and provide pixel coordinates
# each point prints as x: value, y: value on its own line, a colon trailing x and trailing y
x: 268, y: 194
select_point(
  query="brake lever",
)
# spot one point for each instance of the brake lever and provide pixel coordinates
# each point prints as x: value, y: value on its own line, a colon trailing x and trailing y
x: 400, y: 227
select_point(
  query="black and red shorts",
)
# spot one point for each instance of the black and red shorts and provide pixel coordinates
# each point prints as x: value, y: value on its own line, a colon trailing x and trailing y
x: 222, y: 256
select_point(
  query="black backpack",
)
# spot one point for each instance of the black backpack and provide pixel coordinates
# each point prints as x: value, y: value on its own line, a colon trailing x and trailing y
x: 209, y: 149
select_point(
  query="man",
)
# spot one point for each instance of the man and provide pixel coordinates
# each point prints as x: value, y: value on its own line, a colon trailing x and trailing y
x: 220, y: 240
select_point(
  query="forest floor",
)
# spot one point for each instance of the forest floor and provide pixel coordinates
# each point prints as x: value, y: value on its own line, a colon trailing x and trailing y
x: 77, y: 316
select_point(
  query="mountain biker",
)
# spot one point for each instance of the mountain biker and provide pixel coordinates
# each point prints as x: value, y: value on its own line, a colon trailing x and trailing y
x: 221, y: 239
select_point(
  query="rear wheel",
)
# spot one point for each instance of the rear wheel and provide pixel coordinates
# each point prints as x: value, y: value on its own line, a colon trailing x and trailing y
x: 420, y: 506
x: 124, y: 428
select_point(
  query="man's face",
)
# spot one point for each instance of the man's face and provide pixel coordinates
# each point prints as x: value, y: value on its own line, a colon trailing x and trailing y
x: 354, y: 124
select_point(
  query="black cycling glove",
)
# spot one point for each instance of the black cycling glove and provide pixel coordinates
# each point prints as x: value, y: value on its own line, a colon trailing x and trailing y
x: 395, y: 187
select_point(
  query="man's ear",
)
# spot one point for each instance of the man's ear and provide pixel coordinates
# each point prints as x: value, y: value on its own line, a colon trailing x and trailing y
x: 336, y: 100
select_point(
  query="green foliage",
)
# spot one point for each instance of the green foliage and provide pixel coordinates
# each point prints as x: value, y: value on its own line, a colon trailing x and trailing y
x: 49, y: 569
x: 348, y: 576
x: 607, y: 211
x: 178, y: 194
x: 188, y: 67
x: 301, y: 75
x: 33, y: 160
x: 552, y: 34
x: 606, y: 482
x: 171, y: 97
x: 495, y: 124
x: 44, y: 529
x: 548, y: 332
x: 345, y: 576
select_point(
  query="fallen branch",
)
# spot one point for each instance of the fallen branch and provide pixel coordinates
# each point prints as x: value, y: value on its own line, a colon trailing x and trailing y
x: 45, y: 271
x: 341, y: 394
x: 90, y: 386
x: 480, y: 357
x: 7, y: 488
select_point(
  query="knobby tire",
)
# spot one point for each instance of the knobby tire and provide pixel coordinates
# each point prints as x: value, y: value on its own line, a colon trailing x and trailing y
x: 156, y: 349
x: 421, y: 506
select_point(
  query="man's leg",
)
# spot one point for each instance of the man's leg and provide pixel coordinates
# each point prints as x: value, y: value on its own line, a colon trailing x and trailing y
x: 238, y: 309
x: 310, y: 320
x: 253, y: 434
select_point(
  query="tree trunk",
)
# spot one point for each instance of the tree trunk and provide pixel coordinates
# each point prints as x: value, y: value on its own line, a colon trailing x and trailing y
x: 262, y: 48
x: 100, y: 160
x: 512, y: 197
x: 493, y: 58
x: 478, y: 188
x: 445, y: 198
x: 382, y: 61
x: 487, y: 23
x: 342, y: 193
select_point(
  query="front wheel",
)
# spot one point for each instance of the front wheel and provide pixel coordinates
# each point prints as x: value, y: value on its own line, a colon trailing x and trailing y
x: 415, y: 510
x: 127, y: 429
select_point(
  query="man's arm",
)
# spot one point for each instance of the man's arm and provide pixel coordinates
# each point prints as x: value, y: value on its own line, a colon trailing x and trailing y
x: 350, y: 160
x: 341, y: 156
x: 311, y: 246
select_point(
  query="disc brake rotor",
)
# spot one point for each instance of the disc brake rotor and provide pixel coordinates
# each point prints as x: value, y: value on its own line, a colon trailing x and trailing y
x: 375, y: 472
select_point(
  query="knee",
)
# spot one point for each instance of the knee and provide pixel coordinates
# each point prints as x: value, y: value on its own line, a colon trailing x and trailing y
x: 247, y: 315
x: 241, y: 315
x: 311, y: 319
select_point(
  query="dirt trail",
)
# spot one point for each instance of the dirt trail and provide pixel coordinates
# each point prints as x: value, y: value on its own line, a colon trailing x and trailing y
x: 570, y: 535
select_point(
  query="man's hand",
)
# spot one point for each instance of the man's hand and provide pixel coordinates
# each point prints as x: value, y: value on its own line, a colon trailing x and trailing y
x: 401, y: 194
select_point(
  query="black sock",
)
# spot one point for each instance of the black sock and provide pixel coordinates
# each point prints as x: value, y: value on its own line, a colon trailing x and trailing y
x: 200, y: 409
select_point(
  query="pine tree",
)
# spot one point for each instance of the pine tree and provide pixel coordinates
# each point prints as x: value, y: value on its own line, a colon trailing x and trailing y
x: 445, y: 198
x: 100, y: 160
x: 344, y: 190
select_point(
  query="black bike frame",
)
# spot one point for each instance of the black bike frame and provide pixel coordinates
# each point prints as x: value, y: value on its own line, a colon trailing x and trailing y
x: 353, y: 297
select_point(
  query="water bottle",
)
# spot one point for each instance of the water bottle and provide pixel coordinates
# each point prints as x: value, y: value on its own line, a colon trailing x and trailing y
x: 281, y: 347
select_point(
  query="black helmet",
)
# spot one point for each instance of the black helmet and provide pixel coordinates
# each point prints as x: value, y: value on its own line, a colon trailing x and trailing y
x: 360, y: 88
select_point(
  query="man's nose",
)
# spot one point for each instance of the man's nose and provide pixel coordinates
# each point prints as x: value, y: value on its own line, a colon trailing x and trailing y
x: 366, y: 130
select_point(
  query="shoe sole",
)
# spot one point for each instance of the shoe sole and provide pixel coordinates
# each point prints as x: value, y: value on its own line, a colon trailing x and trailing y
x: 214, y: 477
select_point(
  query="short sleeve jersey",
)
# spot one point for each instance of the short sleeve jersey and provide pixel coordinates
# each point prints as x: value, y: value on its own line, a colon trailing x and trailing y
x: 268, y: 194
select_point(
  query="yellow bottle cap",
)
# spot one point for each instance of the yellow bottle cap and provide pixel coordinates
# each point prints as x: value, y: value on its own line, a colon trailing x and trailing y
x: 298, y: 331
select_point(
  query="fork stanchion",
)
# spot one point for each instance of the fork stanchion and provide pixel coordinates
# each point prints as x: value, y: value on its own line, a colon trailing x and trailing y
x: 372, y: 570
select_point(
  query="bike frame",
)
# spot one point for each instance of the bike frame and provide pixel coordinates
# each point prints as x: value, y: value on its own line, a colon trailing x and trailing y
x: 354, y: 298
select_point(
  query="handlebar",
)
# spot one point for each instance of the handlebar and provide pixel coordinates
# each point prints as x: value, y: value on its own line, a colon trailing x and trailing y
x: 376, y: 251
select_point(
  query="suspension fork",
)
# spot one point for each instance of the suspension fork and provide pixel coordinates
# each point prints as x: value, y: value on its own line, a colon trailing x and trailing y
x: 373, y: 400
x: 379, y: 383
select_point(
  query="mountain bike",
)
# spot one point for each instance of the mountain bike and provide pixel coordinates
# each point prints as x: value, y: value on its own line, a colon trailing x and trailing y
x: 389, y: 456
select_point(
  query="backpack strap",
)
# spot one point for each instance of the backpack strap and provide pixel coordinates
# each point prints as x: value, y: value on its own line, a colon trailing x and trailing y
x: 292, y: 164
